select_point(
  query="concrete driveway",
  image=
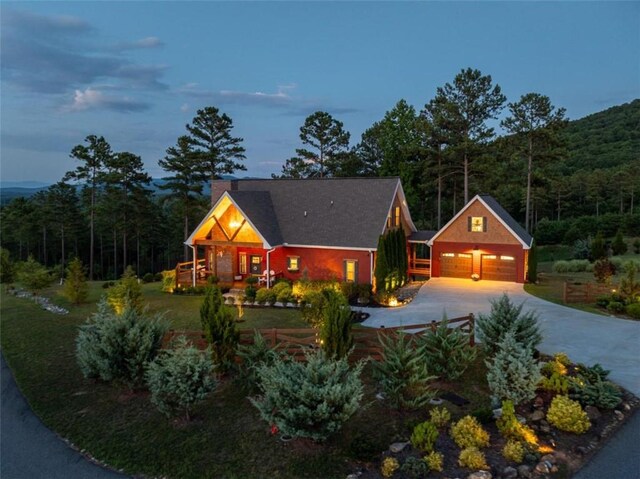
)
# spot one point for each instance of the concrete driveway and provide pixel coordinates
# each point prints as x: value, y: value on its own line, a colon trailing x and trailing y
x: 587, y: 338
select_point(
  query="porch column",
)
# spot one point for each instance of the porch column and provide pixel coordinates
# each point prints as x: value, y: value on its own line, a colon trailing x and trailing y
x: 194, y: 271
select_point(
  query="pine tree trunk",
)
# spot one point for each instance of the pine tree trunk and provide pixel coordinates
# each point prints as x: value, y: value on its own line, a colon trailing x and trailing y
x: 62, y: 246
x: 138, y: 254
x: 439, y: 187
x: 102, y: 255
x: 91, y: 226
x: 466, y: 178
x: 115, y: 254
x: 44, y: 245
x: 186, y: 235
x: 527, y: 222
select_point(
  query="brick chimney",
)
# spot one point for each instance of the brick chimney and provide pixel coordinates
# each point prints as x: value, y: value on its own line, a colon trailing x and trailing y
x: 220, y: 186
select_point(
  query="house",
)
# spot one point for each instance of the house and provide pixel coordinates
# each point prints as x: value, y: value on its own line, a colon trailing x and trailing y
x: 328, y: 228
x: 315, y: 228
x: 484, y: 240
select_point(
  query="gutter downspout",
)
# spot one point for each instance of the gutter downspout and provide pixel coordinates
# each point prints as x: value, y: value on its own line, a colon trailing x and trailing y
x: 195, y: 265
x: 269, y: 268
x: 371, y: 266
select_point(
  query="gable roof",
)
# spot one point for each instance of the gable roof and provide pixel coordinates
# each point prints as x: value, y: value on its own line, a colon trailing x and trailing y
x: 501, y: 215
x: 325, y: 212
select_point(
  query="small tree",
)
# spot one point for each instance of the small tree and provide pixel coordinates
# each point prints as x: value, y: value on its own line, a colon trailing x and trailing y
x: 253, y: 356
x: 75, y: 285
x: 126, y: 292
x: 403, y: 372
x: 447, y: 350
x: 618, y: 246
x: 310, y: 399
x: 179, y: 378
x: 603, y: 270
x: 505, y: 317
x: 335, y: 333
x: 598, y: 247
x: 513, y: 373
x: 33, y: 276
x: 629, y: 285
x: 219, y: 326
x: 6, y: 267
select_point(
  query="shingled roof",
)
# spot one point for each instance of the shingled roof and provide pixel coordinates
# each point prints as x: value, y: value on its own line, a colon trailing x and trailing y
x: 325, y: 212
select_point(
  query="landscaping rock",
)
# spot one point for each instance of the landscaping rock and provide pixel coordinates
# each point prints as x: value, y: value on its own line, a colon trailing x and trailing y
x: 524, y: 471
x: 619, y: 415
x: 537, y: 416
x: 550, y: 458
x: 397, y: 447
x: 544, y: 427
x: 593, y: 413
x: 543, y: 468
x: 538, y: 402
x: 480, y: 475
x: 509, y: 472
x: 582, y: 450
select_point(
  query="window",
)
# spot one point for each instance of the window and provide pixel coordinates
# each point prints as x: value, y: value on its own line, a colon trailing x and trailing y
x: 507, y: 258
x: 464, y: 255
x: 242, y: 263
x: 397, y: 216
x: 448, y: 255
x: 477, y: 224
x: 293, y: 263
x: 351, y: 270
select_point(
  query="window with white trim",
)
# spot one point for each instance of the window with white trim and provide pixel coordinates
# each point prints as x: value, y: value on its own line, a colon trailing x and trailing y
x: 242, y: 263
x: 477, y: 224
x: 293, y: 263
x: 351, y: 270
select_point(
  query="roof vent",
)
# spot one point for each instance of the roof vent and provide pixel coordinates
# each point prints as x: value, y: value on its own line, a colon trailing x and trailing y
x: 331, y: 202
x: 305, y: 214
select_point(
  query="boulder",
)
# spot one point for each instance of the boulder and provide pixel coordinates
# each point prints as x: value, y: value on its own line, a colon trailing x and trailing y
x: 524, y: 471
x: 397, y: 447
x: 480, y: 475
x: 509, y: 472
x: 537, y: 416
x: 593, y: 413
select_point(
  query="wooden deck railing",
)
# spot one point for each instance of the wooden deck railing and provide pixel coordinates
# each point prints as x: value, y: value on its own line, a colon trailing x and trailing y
x: 420, y: 266
x: 184, y: 272
x: 584, y: 292
x: 296, y: 341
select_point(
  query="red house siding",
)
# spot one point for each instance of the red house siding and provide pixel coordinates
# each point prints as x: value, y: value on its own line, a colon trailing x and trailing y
x: 516, y: 251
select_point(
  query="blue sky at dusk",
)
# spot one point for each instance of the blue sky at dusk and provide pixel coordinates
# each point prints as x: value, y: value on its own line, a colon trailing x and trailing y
x: 136, y: 72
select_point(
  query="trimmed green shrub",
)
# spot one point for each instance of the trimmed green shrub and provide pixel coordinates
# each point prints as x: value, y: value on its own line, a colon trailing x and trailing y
x: 267, y: 296
x: 283, y: 293
x: 335, y: 334
x: 633, y: 310
x: 616, y: 307
x: 568, y: 415
x: 168, y: 280
x: 311, y: 308
x: 75, y: 288
x: 629, y: 285
x: 472, y: 458
x: 424, y: 436
x: 389, y: 466
x: 250, y: 293
x: 440, y: 416
x: 556, y: 383
x: 435, y: 461
x: 513, y: 373
x: 602, y: 394
x: 414, y: 467
x: 114, y: 347
x: 598, y: 247
x: 618, y: 246
x: 179, y: 378
x: 603, y: 270
x: 301, y: 287
x: 572, y: 266
x: 402, y: 372
x: 219, y: 326
x: 148, y: 278
x: 254, y: 355
x: 513, y: 451
x: 33, y: 276
x: 468, y: 432
x: 511, y: 428
x: 126, y: 292
x: 311, y: 399
x: 7, y: 270
x: 447, y: 350
x: 505, y: 317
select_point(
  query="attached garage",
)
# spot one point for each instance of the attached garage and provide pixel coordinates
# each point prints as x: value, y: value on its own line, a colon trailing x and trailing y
x: 498, y: 267
x: 456, y: 265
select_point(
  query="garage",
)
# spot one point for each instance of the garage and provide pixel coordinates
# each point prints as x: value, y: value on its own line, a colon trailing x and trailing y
x: 456, y: 265
x: 498, y: 267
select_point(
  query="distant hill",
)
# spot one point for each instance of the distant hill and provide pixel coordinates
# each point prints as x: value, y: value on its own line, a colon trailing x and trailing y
x: 606, y: 139
x: 8, y: 194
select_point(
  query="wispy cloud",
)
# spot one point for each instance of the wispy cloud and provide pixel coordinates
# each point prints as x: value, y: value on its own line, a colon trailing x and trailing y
x: 91, y: 99
x: 142, y: 44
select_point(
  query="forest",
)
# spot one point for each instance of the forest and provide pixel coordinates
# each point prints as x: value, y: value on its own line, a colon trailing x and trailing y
x: 563, y: 180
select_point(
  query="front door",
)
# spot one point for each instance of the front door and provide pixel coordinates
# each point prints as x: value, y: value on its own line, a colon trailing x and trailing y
x: 256, y: 264
x: 224, y: 264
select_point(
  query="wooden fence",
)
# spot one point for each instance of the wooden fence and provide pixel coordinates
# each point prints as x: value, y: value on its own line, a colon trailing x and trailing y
x: 584, y: 292
x: 296, y: 341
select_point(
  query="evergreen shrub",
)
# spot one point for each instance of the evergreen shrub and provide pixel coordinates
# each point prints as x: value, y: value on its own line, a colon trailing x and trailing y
x: 468, y: 432
x: 75, y: 288
x: 633, y: 310
x: 168, y: 280
x: 447, y: 350
x: 266, y: 296
x: 511, y: 428
x: 389, y: 466
x: 513, y: 451
x: 335, y: 333
x: 618, y: 245
x: 7, y: 269
x: 435, y: 461
x: 567, y: 415
x: 33, y: 276
x: 415, y: 468
x: 424, y: 436
x: 472, y: 458
x: 126, y: 293
x: 440, y: 416
x: 254, y: 355
x: 219, y: 326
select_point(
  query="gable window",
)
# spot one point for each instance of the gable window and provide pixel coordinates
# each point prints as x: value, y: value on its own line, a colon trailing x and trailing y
x: 477, y: 224
x: 293, y: 263
x: 242, y: 263
x: 351, y: 270
x: 397, y: 216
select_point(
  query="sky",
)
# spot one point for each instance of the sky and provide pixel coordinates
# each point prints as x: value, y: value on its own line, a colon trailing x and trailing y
x: 137, y: 72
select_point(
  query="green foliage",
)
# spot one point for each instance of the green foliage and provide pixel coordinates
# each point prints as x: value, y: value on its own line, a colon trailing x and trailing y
x: 513, y: 451
x: 435, y: 461
x: 636, y: 246
x: 148, y: 278
x: 254, y: 355
x: 310, y: 399
x: 567, y: 415
x: 447, y: 350
x: 582, y: 248
x: 33, y: 276
x: 603, y: 270
x: 265, y: 295
x: 126, y: 293
x: 511, y: 428
x: 283, y: 292
x: 616, y: 307
x: 219, y: 326
x: 556, y: 383
x: 113, y: 346
x: 389, y: 466
x: 598, y: 247
x: 572, y: 266
x: 506, y: 317
x: 618, y: 246
x: 312, y: 307
x: 391, y: 261
x: 440, y: 416
x: 472, y: 458
x: 179, y: 378
x: 335, y: 334
x: 402, y: 372
x: 7, y: 269
x: 424, y: 436
x: 414, y: 467
x: 513, y: 373
x: 590, y: 387
x: 629, y: 285
x: 468, y: 432
x: 250, y: 293
x: 75, y: 288
x: 303, y: 286
x: 532, y: 273
x: 593, y: 373
x: 168, y: 280
x: 633, y: 310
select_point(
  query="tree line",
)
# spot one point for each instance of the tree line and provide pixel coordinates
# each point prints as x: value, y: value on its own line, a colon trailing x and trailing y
x: 104, y: 211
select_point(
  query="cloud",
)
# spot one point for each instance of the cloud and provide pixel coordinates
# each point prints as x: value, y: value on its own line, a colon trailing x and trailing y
x: 143, y: 43
x: 281, y: 98
x: 53, y: 55
x: 91, y: 99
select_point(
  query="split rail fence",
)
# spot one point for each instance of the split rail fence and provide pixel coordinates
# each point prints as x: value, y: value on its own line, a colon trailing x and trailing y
x: 296, y: 341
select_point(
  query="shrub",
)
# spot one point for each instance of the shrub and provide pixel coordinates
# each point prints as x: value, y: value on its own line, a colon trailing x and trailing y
x: 157, y: 277
x: 616, y: 307
x: 127, y: 291
x: 636, y: 246
x: 440, y: 416
x: 219, y: 326
x: 511, y: 428
x: 447, y: 350
x: 415, y: 468
x: 601, y: 394
x: 180, y: 377
x: 472, y: 458
x: 349, y: 290
x: 389, y: 466
x: 33, y: 276
x: 483, y: 414
x: 435, y: 461
x: 592, y: 374
x: 567, y: 415
x: 311, y: 308
x: 629, y: 286
x: 75, y: 287
x: 598, y: 247
x: 254, y: 355
x: 117, y: 347
x: 364, y: 291
x: 556, y: 383
x: 7, y: 269
x: 468, y: 432
x: 618, y: 246
x: 267, y: 296
x: 513, y: 373
x: 301, y: 287
x: 424, y: 436
x: 582, y: 248
x: 560, y: 266
x: 603, y: 270
x: 335, y: 333
x: 148, y: 278
x: 283, y: 293
x: 513, y: 451
x: 573, y: 266
x: 505, y: 317
x: 555, y: 366
x: 633, y: 310
x: 310, y: 399
x: 250, y: 293
x: 108, y: 284
x: 168, y: 280
x: 403, y: 373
